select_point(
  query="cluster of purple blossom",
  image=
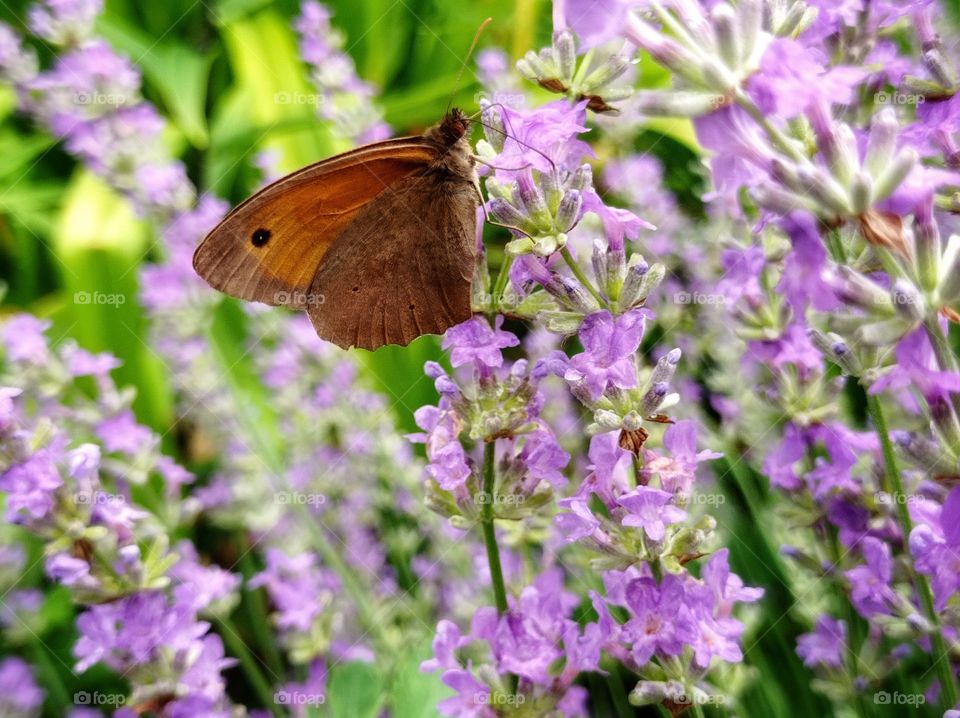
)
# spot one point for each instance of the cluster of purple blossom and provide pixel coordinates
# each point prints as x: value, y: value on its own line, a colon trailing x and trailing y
x: 563, y: 452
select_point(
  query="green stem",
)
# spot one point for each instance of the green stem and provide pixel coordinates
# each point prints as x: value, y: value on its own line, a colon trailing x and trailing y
x: 51, y: 679
x: 250, y: 665
x: 941, y: 656
x: 853, y: 637
x: 581, y: 277
x: 489, y: 531
x: 257, y: 612
x: 500, y: 283
x: 490, y: 536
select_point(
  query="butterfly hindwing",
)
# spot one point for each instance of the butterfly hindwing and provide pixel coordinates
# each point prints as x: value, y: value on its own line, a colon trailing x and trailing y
x: 402, y: 268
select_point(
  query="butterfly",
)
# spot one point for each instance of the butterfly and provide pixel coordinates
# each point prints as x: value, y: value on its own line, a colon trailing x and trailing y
x: 378, y: 245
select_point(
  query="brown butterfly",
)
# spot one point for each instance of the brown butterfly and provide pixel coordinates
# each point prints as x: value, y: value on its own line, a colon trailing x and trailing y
x: 378, y: 244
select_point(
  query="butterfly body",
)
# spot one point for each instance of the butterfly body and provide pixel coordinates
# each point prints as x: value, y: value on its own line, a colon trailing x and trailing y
x: 378, y: 244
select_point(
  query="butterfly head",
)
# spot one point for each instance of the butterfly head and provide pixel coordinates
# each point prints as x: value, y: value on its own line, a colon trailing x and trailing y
x: 452, y: 127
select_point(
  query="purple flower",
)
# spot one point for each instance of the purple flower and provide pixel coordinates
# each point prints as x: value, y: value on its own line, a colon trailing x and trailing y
x: 651, y: 509
x: 296, y: 586
x: 198, y: 586
x: 609, y: 346
x: 594, y: 21
x: 660, y: 622
x: 448, y: 461
x: 23, y: 337
x: 30, y: 486
x: 825, y: 645
x: 550, y: 129
x: 472, y: 699
x: 678, y: 471
x: 64, y: 22
x: 541, y: 459
x: 476, y: 341
x: 578, y: 522
x: 19, y: 693
x: 122, y: 433
x: 792, y: 76
x: 917, y: 367
x: 870, y: 590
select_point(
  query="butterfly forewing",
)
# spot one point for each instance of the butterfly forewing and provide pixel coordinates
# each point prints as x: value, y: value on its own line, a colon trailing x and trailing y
x: 377, y: 244
x: 268, y: 249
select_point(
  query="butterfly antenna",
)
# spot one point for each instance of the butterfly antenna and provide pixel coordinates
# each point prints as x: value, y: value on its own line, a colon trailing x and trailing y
x: 463, y: 66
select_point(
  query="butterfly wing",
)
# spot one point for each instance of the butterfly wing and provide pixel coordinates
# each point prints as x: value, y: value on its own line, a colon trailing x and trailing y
x: 269, y: 247
x: 402, y: 268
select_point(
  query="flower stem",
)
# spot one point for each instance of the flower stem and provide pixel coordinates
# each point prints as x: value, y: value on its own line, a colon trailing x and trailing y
x: 581, y: 277
x: 496, y: 294
x: 249, y: 663
x: 489, y: 531
x: 941, y: 656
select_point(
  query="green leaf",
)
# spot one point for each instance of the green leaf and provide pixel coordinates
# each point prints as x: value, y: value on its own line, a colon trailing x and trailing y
x: 265, y: 60
x: 415, y: 694
x: 179, y: 74
x: 100, y: 245
x: 355, y: 690
x: 397, y: 373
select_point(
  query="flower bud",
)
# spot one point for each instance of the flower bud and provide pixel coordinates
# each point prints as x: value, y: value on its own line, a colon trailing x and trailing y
x: 607, y: 72
x: 506, y: 213
x: 895, y: 173
x: 907, y: 300
x: 582, y: 178
x: 569, y: 211
x: 565, y: 49
x: 727, y: 33
x: 529, y: 197
x: 493, y: 127
x: 837, y: 351
x: 926, y: 246
x: 750, y: 17
x: 948, y: 290
x: 825, y: 190
x: 882, y: 141
x: 677, y: 103
x: 940, y: 68
x: 665, y: 368
x: 929, y: 455
x: 861, y: 192
x: 856, y: 289
x: 882, y: 333
x: 653, y: 399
